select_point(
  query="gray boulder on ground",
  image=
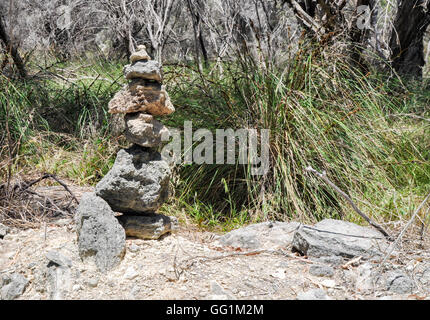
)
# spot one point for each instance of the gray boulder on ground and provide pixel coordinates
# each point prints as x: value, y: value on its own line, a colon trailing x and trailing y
x: 137, y: 183
x: 12, y: 286
x: 266, y: 235
x: 149, y: 70
x: 100, y: 236
x: 144, y: 130
x: 148, y: 227
x: 339, y: 238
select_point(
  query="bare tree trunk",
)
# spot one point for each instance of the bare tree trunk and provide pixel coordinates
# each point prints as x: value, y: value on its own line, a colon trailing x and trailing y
x: 195, y: 8
x: 406, y: 43
x: 12, y: 50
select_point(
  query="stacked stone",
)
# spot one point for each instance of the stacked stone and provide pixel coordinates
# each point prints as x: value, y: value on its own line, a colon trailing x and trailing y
x: 138, y: 183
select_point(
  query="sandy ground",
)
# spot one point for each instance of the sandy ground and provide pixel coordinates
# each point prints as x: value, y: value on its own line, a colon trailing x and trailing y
x: 192, y: 265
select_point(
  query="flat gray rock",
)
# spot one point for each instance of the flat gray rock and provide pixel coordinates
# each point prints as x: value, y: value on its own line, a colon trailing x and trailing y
x: 339, y: 238
x: 12, y: 286
x: 137, y: 183
x: 265, y: 235
x: 149, y: 70
x: 100, y: 236
x: 57, y: 258
x: 148, y: 227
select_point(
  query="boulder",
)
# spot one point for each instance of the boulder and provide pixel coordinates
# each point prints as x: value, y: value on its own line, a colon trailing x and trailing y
x: 142, y: 96
x: 143, y: 130
x: 148, y: 70
x: 100, y: 236
x: 339, y: 238
x: 137, y: 183
x: 12, y: 286
x: 148, y: 227
x: 266, y: 235
x: 140, y: 55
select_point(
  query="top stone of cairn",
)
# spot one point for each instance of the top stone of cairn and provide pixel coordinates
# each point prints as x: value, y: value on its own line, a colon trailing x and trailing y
x: 140, y: 55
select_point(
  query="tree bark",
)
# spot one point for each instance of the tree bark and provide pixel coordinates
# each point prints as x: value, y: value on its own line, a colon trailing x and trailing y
x: 12, y: 50
x: 406, y: 43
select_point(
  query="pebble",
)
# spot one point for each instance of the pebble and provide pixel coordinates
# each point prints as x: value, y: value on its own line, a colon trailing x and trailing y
x: 313, y: 294
x: 130, y: 273
x: 134, y: 247
x: 321, y: 271
x: 93, y: 282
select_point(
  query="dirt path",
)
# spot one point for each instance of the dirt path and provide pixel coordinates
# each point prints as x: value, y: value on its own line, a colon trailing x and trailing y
x: 190, y: 265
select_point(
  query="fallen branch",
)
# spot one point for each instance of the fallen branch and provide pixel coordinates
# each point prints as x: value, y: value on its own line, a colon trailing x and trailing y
x: 391, y: 248
x: 323, y: 176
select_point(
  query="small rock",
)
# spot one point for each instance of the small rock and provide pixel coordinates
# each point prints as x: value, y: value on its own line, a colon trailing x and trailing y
x: 145, y: 133
x: 76, y: 287
x: 400, y: 283
x: 279, y: 274
x: 142, y: 96
x: 130, y: 273
x: 148, y: 227
x: 314, y: 294
x: 266, y: 235
x: 332, y: 260
x: 3, y: 230
x: 13, y: 286
x: 150, y: 70
x: 134, y: 248
x: 93, y: 282
x: 218, y: 292
x: 321, y: 271
x: 58, y: 259
x: 140, y: 55
x: 328, y: 283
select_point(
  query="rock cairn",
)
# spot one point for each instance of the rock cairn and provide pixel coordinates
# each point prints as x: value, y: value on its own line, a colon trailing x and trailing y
x: 138, y: 183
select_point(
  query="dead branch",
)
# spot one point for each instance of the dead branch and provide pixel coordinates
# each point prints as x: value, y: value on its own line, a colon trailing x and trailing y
x: 323, y: 176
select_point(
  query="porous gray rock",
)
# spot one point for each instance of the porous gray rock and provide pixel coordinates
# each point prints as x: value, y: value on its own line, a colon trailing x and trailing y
x: 148, y: 227
x: 321, y: 271
x: 12, y: 286
x: 339, y: 238
x: 149, y: 70
x: 100, y: 236
x: 3, y: 230
x: 144, y: 130
x: 137, y: 183
x: 267, y: 235
x: 400, y: 283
